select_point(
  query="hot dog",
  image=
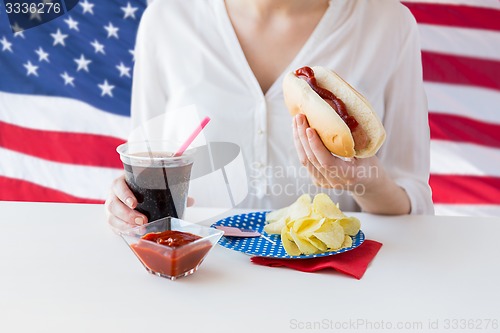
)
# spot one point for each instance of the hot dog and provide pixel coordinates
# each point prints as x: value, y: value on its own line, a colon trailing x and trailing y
x: 342, y: 117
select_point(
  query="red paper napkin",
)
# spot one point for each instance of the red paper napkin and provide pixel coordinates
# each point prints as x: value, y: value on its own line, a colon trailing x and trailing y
x: 354, y: 262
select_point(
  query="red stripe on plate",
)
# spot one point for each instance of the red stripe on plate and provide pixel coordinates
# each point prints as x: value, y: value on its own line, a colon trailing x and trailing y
x: 63, y: 147
x: 455, y: 15
x: 20, y: 190
x: 454, y: 189
x: 461, y: 70
x: 462, y: 129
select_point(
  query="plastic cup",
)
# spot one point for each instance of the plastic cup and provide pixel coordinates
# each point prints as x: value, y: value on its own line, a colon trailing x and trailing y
x: 159, y: 180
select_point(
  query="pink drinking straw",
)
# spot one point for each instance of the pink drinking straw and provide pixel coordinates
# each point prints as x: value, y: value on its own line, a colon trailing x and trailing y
x: 193, y: 136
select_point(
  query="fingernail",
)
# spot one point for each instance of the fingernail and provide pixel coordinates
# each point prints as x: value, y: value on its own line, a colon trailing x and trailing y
x: 130, y: 202
x: 139, y: 221
x: 299, y: 120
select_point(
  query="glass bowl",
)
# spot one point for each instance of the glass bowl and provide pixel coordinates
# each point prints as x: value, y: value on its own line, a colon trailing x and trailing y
x: 171, y: 262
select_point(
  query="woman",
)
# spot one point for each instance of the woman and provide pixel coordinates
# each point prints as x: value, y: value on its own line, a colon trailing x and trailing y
x: 228, y: 58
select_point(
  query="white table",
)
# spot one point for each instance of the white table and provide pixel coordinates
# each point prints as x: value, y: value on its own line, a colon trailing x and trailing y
x: 63, y: 270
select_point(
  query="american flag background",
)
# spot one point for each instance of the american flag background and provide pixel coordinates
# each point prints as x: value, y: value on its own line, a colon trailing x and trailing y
x: 65, y: 102
x: 461, y: 60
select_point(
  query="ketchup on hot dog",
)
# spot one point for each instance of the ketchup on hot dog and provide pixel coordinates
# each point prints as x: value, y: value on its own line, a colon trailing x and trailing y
x: 359, y: 136
x: 336, y: 103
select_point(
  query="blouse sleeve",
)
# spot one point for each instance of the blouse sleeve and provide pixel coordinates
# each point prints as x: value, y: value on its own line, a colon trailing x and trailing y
x: 149, y: 88
x: 406, y: 153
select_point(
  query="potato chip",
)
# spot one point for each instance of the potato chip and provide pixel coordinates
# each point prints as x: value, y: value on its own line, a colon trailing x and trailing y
x: 347, y: 241
x: 324, y: 206
x: 290, y: 247
x: 303, y: 244
x: 312, y: 227
x: 351, y: 225
x: 276, y: 215
x: 317, y: 243
x: 300, y: 208
x: 331, y: 233
x: 275, y: 227
x: 306, y: 226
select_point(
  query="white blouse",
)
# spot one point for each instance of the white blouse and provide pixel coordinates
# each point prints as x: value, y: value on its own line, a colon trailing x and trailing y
x: 187, y: 54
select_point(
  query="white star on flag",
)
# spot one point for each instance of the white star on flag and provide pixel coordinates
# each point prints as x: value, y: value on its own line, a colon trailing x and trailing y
x: 59, y: 38
x: 6, y: 45
x: 87, y: 7
x: 106, y: 89
x: 18, y: 31
x: 129, y: 11
x: 132, y: 52
x: 72, y: 24
x: 112, y: 30
x: 82, y: 63
x: 124, y: 70
x: 98, y: 47
x: 31, y: 69
x: 68, y: 79
x: 36, y: 15
x: 42, y: 55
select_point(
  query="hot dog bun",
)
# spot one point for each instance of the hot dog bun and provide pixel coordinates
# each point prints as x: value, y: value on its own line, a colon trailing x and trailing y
x: 333, y: 131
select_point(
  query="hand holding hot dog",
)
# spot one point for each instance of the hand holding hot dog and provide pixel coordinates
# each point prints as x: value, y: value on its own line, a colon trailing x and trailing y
x: 327, y: 170
x: 331, y: 118
x: 342, y: 117
x: 366, y: 178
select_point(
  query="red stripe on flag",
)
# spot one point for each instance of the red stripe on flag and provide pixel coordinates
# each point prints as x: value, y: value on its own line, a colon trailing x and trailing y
x: 63, y: 147
x: 455, y: 15
x: 461, y: 70
x: 453, y: 189
x: 21, y: 190
x: 462, y: 129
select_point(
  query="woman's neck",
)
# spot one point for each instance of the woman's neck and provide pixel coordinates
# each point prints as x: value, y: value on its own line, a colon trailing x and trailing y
x: 264, y: 8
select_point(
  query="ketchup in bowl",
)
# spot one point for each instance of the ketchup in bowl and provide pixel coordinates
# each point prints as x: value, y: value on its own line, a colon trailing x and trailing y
x: 170, y: 247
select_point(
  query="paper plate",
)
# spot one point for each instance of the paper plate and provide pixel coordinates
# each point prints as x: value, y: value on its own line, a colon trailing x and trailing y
x: 260, y: 246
